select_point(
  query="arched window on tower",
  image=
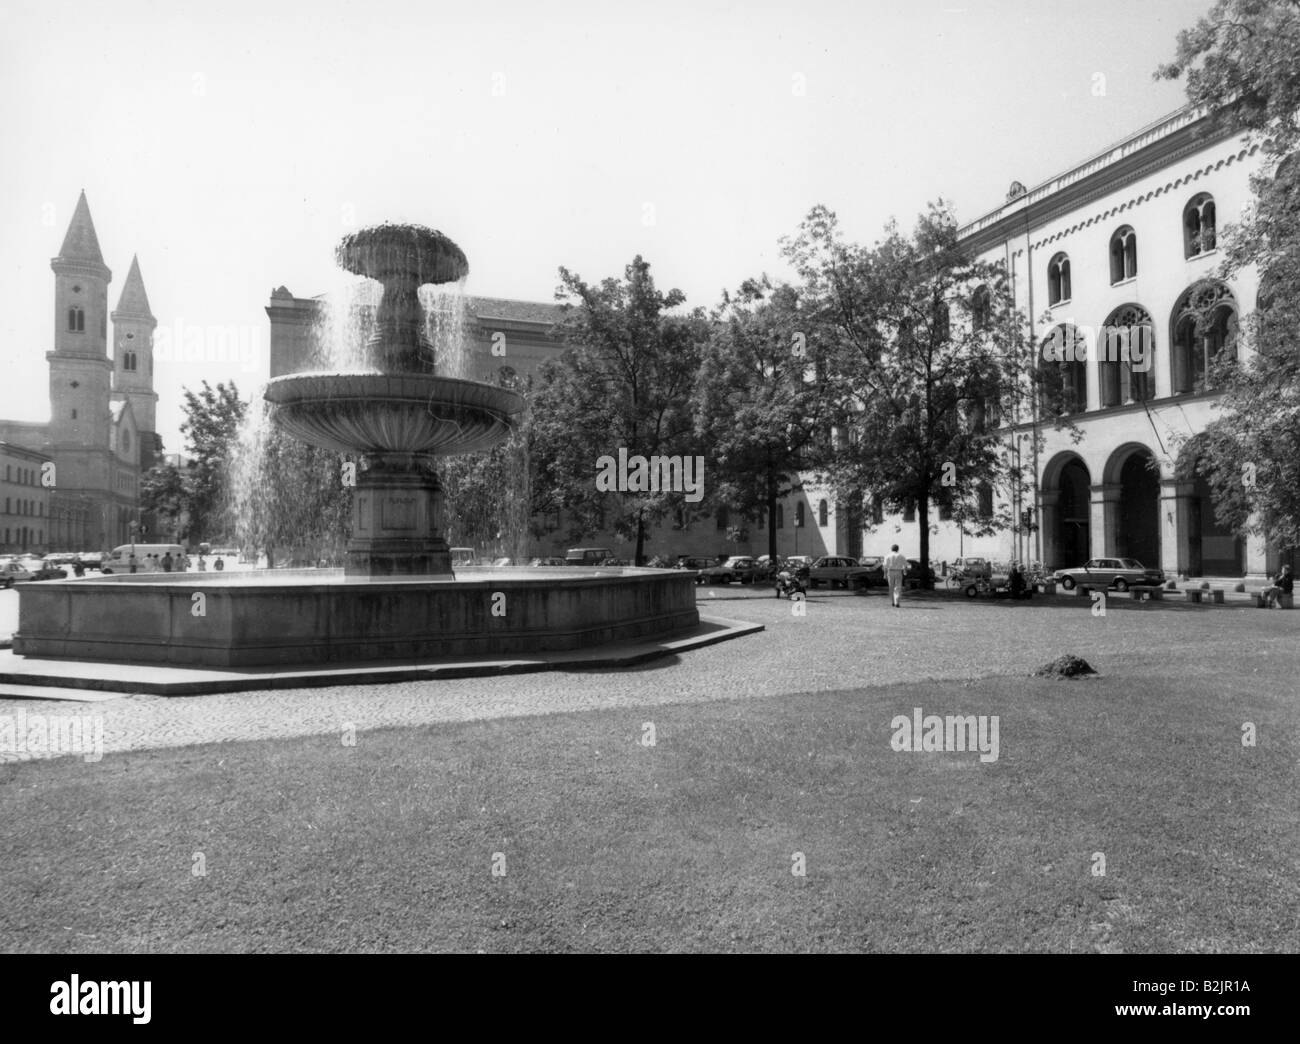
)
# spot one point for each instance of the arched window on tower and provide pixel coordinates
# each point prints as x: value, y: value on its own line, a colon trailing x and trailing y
x: 1199, y: 225
x: 128, y: 361
x: 823, y: 513
x: 1058, y: 279
x: 1123, y: 254
x: 76, y: 319
x: 800, y: 515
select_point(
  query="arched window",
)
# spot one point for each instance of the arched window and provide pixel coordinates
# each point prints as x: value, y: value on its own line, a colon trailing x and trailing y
x: 877, y: 510
x: 1126, y: 348
x: 1058, y: 279
x: 129, y: 361
x: 800, y: 515
x: 981, y: 309
x: 1205, y: 335
x: 1198, y: 225
x: 984, y: 498
x: 77, y: 320
x: 823, y: 513
x: 1063, y: 372
x: 1123, y: 254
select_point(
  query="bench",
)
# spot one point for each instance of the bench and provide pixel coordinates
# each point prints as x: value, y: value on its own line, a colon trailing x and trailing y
x: 1193, y: 594
x: 1284, y: 601
x: 1150, y: 592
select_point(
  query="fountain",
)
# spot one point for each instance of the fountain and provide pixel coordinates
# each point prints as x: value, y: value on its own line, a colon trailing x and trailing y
x: 397, y: 599
x: 401, y: 417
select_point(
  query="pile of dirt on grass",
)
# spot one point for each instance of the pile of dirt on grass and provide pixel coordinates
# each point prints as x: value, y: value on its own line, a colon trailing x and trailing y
x: 1065, y: 667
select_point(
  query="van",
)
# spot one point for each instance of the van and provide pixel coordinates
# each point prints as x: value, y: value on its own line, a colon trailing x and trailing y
x: 463, y: 556
x: 119, y: 559
x: 587, y: 556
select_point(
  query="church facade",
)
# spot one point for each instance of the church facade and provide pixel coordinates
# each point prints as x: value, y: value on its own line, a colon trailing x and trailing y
x: 101, y: 435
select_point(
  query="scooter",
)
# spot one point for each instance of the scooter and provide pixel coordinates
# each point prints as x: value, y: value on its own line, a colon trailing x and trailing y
x: 792, y: 585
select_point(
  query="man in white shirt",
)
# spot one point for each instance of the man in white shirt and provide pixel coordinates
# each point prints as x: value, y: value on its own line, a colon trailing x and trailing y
x: 895, y: 570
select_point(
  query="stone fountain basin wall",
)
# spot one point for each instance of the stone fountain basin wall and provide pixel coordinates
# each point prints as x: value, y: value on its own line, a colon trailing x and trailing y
x: 283, y: 617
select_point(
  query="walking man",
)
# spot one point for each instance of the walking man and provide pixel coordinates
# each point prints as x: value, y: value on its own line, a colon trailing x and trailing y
x: 895, y: 570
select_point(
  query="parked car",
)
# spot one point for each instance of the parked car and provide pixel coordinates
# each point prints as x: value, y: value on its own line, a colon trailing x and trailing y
x: 13, y: 572
x: 588, y: 556
x: 696, y: 566
x: 740, y: 568
x: 92, y: 559
x: 547, y: 562
x: 50, y: 572
x: 917, y: 576
x: 766, y: 567
x: 1119, y: 573
x: 843, y: 571
x: 796, y: 561
x: 463, y: 556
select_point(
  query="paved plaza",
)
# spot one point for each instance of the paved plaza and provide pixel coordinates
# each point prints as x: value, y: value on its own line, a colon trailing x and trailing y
x: 843, y: 641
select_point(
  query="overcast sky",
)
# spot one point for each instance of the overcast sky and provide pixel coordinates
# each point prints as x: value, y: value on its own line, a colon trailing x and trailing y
x: 230, y: 147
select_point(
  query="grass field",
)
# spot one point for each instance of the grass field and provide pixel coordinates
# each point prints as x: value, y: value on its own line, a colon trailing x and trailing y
x: 612, y: 845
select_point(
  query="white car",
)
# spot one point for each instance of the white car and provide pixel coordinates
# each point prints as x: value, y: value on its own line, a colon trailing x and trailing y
x: 13, y: 572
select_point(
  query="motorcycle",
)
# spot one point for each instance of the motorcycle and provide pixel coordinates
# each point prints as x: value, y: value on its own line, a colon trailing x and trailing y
x: 792, y: 585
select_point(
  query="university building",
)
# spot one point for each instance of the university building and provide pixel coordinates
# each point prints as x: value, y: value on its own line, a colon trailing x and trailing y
x: 1112, y: 260
x: 1115, y: 262
x: 100, y: 436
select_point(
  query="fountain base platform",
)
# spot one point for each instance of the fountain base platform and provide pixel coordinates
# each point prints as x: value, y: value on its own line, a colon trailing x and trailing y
x: 290, y: 617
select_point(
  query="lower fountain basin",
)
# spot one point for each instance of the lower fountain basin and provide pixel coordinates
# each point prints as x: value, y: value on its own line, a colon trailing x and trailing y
x: 320, y: 616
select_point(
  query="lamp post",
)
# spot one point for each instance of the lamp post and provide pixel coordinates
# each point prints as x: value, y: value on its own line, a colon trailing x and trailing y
x: 134, y: 527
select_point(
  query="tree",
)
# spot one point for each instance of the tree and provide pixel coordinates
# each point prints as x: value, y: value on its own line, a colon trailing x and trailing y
x: 624, y: 385
x: 1241, y: 62
x: 164, y: 500
x: 211, y: 427
x: 758, y: 405
x: 923, y: 355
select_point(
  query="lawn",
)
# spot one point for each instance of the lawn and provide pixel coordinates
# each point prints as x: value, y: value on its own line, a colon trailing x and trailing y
x: 612, y: 845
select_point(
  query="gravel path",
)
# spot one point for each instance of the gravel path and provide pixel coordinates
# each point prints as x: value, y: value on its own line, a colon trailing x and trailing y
x: 843, y: 641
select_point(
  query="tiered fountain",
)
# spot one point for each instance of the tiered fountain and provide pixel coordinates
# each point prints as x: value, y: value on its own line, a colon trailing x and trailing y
x: 397, y: 599
x: 402, y: 416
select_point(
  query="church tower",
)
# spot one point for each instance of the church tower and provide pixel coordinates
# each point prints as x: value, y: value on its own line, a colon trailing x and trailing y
x: 133, y: 326
x: 80, y: 371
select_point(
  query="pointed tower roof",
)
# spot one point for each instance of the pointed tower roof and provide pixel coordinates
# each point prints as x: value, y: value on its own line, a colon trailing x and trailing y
x: 134, y: 301
x: 81, y: 243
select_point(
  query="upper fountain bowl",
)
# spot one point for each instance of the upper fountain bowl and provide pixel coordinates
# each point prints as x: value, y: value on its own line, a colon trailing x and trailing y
x: 409, y: 252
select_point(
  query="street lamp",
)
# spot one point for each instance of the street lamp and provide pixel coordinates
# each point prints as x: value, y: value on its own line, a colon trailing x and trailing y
x: 133, y: 525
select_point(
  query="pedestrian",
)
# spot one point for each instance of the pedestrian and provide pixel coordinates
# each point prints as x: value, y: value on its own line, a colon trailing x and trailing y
x: 1284, y: 583
x: 167, y: 562
x: 203, y: 563
x: 895, y: 570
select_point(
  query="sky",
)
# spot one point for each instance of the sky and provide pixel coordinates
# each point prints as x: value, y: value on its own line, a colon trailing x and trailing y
x: 230, y: 146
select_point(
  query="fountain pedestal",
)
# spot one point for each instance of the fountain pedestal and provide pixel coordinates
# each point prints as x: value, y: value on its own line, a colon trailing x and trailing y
x: 397, y: 520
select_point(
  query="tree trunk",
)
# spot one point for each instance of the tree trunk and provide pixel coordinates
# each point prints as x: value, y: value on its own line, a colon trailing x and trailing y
x: 771, y: 518
x: 923, y: 516
x: 640, y: 538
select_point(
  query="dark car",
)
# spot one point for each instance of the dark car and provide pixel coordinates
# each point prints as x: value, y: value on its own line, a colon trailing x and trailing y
x: 917, y: 576
x: 1119, y: 573
x: 695, y: 566
x: 843, y: 571
x: 49, y: 572
x: 740, y: 568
